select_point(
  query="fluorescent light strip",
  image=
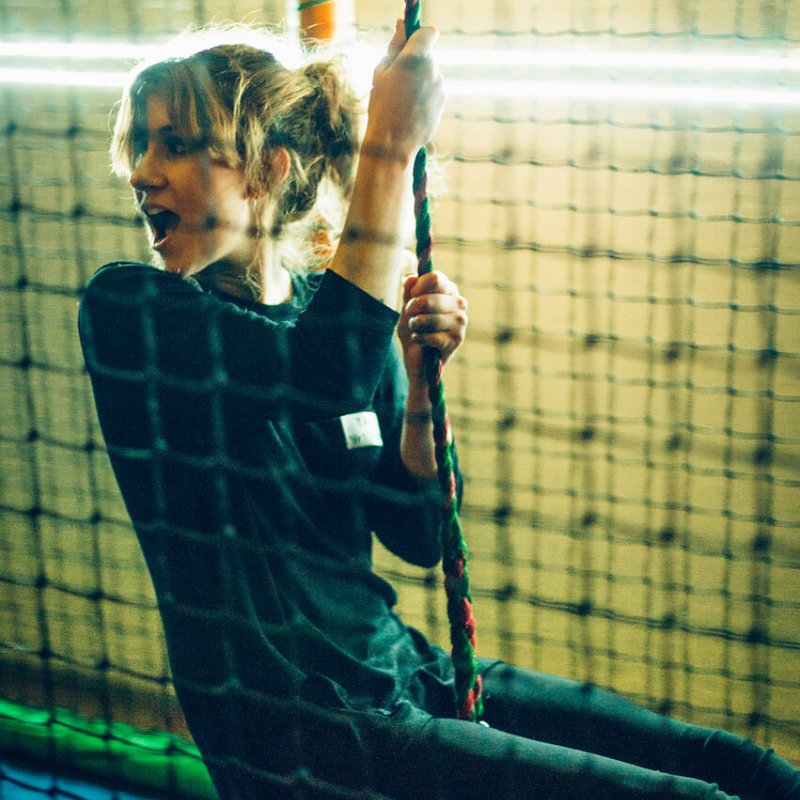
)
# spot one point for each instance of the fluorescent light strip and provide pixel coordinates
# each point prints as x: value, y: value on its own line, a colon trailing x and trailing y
x: 63, y: 77
x: 363, y: 57
x: 594, y: 91
x: 123, y: 53
x: 737, y: 62
x: 608, y: 59
x: 644, y: 93
x: 80, y: 51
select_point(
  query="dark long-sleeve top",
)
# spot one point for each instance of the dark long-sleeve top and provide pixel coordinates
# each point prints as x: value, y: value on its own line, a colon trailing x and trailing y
x: 257, y: 449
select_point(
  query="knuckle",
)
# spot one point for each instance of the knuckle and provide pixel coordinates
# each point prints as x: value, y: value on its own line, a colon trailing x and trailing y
x: 415, y: 62
x: 437, y: 279
x: 417, y: 306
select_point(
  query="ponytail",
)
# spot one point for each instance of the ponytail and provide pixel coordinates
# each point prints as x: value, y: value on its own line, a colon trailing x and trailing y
x: 336, y: 119
x: 320, y: 134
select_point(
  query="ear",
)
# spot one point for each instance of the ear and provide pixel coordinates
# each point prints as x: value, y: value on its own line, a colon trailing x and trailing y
x: 276, y: 165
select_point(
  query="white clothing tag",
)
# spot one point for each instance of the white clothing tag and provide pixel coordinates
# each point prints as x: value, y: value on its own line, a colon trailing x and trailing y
x: 361, y: 429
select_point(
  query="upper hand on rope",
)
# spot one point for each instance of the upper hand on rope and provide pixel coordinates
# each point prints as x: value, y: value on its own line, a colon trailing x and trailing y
x: 434, y: 315
x: 407, y: 97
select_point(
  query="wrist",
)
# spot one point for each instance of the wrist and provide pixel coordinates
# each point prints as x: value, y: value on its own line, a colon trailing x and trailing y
x: 385, y: 150
x: 418, y: 400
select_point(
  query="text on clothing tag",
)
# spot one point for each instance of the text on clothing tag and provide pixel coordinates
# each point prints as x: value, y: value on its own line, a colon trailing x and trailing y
x: 361, y: 429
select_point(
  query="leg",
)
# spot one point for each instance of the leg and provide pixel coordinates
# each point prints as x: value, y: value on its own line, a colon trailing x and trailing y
x: 291, y: 750
x: 317, y: 754
x: 454, y: 760
x: 583, y: 717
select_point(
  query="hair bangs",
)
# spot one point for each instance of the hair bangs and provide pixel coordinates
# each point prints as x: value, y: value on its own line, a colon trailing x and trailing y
x: 195, y: 109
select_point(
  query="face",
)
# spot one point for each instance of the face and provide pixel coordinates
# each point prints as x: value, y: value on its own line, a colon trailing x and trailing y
x: 197, y: 208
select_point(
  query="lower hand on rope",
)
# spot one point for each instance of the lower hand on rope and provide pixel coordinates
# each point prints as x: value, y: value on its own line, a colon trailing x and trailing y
x: 434, y: 315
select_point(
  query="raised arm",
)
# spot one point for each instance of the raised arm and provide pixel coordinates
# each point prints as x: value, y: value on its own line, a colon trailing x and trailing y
x: 404, y: 110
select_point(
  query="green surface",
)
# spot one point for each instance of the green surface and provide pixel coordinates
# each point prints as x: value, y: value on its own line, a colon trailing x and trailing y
x: 159, y: 763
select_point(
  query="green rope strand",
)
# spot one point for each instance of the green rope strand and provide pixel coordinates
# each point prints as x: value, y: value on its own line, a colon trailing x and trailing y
x: 469, y: 704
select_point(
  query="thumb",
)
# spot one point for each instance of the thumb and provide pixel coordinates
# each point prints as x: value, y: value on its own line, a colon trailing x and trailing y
x: 408, y: 285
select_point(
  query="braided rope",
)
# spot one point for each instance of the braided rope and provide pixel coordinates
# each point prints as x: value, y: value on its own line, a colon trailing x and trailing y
x: 469, y: 704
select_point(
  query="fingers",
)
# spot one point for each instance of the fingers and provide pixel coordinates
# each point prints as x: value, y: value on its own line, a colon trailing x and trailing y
x: 397, y: 41
x: 420, y: 45
x: 431, y: 283
x: 422, y: 42
x: 416, y: 56
x: 434, y: 313
x: 437, y: 323
x: 407, y: 95
x: 415, y: 51
x: 432, y: 304
x: 393, y: 49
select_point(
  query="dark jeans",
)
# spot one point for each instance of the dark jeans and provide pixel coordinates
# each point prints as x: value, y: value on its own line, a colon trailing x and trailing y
x: 553, y: 738
x: 549, y: 739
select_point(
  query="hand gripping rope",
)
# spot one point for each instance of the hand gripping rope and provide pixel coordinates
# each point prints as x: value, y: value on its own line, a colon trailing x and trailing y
x: 454, y: 548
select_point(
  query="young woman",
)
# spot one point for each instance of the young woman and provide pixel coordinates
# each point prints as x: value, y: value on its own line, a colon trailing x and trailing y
x: 262, y: 425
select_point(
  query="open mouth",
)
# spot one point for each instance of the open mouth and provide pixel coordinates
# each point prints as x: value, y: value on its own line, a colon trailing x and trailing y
x: 162, y: 223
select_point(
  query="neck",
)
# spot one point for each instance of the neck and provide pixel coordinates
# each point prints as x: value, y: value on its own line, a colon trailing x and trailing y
x: 276, y: 283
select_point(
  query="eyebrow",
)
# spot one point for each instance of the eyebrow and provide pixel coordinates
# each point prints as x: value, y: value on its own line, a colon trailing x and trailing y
x: 164, y: 130
x: 145, y: 134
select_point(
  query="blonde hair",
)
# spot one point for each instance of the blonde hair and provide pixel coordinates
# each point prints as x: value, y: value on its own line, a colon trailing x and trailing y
x: 238, y: 102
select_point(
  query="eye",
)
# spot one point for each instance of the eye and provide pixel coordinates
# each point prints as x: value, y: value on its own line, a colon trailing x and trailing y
x: 177, y: 146
x: 138, y: 149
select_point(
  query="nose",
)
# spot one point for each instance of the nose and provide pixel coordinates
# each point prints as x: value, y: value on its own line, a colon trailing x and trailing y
x: 148, y: 172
